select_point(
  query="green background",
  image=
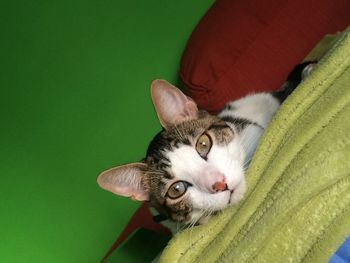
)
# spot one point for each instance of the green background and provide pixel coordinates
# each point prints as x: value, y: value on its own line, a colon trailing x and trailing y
x: 74, y: 100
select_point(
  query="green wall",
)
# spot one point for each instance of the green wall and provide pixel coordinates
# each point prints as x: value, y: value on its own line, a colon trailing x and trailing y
x: 74, y: 100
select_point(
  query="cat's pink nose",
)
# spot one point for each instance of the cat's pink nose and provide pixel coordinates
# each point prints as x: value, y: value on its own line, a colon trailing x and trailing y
x: 220, y: 186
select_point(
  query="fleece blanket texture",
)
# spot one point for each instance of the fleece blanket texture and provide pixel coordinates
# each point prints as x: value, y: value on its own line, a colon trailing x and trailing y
x: 297, y: 206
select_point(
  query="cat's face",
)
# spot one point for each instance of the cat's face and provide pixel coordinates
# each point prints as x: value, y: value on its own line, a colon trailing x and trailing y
x: 194, y: 167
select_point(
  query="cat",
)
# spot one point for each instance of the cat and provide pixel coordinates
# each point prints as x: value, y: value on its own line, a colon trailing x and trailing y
x: 195, y: 166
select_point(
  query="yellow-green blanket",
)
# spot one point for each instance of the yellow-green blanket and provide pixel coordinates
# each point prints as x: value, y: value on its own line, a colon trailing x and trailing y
x: 297, y: 207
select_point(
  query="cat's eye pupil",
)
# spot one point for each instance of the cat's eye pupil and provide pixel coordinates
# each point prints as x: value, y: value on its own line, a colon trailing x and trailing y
x: 179, y: 187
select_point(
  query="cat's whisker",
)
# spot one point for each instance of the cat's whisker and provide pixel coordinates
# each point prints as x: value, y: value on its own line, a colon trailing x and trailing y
x: 181, y: 136
x: 192, y: 225
x: 245, y: 165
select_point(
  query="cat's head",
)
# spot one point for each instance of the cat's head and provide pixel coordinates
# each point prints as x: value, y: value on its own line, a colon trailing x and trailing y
x: 193, y: 167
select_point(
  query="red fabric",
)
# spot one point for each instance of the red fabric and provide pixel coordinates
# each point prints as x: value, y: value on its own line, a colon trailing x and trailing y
x: 242, y: 46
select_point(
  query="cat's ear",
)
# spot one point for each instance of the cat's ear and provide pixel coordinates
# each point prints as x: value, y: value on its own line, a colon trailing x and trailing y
x: 125, y: 180
x: 172, y: 106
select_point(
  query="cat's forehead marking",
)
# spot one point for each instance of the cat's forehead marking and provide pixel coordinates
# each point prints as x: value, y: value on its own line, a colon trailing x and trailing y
x: 221, y: 132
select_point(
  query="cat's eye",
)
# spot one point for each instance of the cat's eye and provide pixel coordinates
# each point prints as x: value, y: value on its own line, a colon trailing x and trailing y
x: 177, y: 189
x: 203, y: 145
